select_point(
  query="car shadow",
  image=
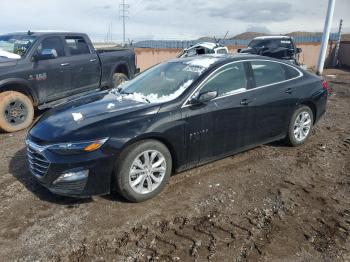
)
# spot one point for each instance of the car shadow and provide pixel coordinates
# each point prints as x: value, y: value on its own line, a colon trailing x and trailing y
x: 279, y: 143
x: 18, y: 168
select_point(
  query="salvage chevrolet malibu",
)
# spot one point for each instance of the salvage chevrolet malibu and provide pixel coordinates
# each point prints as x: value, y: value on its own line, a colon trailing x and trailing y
x: 174, y: 116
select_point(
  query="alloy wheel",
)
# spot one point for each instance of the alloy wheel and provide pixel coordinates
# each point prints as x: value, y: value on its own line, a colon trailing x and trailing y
x: 302, y: 126
x: 147, y: 171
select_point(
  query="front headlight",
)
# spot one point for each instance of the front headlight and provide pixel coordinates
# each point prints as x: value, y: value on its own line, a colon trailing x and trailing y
x: 76, y: 148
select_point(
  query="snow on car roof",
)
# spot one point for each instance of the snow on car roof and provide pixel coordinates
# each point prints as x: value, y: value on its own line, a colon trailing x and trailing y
x: 272, y: 37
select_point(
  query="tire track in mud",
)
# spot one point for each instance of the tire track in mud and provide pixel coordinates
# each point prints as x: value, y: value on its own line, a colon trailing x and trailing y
x: 217, y: 236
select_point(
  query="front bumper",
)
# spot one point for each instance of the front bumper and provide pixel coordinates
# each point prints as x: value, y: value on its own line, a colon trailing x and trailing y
x: 46, y: 167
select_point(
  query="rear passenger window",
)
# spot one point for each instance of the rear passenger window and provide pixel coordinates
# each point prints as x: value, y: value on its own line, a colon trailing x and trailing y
x: 77, y: 45
x: 291, y: 72
x: 228, y: 80
x: 266, y: 73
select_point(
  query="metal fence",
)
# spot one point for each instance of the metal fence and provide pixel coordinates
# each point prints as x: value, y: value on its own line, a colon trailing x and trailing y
x: 227, y: 42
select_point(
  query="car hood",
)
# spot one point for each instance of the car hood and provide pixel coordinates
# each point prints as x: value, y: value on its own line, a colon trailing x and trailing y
x: 7, y: 62
x: 83, y: 118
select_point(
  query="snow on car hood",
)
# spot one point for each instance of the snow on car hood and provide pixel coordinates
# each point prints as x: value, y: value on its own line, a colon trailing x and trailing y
x: 5, y: 54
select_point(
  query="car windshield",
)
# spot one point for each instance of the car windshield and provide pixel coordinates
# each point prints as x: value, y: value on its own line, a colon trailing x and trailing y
x: 15, y: 46
x: 271, y: 43
x: 166, y: 81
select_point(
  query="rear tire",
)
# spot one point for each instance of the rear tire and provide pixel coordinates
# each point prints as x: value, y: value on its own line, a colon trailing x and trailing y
x: 300, y: 126
x: 16, y: 111
x: 139, y: 178
x: 118, y: 79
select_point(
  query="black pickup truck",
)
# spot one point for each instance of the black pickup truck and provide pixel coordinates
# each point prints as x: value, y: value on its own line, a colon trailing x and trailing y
x: 43, y: 69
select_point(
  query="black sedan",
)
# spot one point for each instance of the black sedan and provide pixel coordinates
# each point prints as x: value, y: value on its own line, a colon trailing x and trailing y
x: 172, y: 117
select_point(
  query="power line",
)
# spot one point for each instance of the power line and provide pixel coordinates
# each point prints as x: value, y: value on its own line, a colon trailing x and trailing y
x: 123, y: 14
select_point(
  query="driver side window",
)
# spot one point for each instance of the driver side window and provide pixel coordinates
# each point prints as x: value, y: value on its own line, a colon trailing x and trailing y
x: 52, y: 42
x: 228, y: 80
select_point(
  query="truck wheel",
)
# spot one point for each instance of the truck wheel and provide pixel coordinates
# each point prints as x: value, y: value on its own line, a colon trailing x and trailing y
x: 16, y: 111
x: 143, y: 170
x: 119, y: 78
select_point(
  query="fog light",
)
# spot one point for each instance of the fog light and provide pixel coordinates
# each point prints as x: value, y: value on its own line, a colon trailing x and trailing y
x: 72, y: 176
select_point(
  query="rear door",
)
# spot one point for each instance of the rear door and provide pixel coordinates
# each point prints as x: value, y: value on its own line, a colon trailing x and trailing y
x: 274, y: 96
x: 51, y: 77
x: 84, y: 64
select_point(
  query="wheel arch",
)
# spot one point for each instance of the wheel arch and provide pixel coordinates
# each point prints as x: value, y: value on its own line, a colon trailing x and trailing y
x: 121, y: 67
x: 21, y: 86
x: 160, y: 139
x: 313, y: 108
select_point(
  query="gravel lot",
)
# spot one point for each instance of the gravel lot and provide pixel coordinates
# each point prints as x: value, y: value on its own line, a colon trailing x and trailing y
x: 270, y: 203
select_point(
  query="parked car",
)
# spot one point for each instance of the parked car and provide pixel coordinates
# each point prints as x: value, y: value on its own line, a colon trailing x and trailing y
x: 172, y: 117
x: 39, y: 69
x: 281, y: 47
x: 203, y: 48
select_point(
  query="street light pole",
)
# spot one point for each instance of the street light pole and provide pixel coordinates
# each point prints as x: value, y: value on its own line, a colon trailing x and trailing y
x: 325, y: 37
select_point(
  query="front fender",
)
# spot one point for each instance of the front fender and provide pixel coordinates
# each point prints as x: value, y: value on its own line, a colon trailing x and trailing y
x: 20, y: 85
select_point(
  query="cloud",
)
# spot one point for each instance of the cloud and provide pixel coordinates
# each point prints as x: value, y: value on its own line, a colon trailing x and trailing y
x: 155, y: 7
x: 170, y: 19
x: 257, y: 28
x: 255, y: 11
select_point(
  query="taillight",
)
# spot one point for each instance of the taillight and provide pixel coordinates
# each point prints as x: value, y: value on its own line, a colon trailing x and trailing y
x: 325, y: 86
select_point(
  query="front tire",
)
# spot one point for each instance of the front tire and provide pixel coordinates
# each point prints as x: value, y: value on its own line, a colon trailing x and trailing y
x: 143, y: 170
x: 300, y: 126
x: 16, y: 111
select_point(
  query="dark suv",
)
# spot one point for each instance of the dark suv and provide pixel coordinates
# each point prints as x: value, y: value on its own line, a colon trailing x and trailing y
x: 281, y: 47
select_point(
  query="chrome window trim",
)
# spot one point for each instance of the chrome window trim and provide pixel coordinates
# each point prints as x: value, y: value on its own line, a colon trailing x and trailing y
x: 247, y: 90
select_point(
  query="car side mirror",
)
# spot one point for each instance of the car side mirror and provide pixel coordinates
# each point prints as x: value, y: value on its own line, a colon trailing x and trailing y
x: 299, y: 50
x: 239, y: 50
x: 46, y: 54
x: 203, y: 97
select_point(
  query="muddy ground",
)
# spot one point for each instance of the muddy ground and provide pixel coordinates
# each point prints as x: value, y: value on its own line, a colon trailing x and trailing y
x: 272, y: 203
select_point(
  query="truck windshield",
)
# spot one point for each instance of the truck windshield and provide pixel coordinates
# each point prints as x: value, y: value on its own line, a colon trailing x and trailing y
x: 271, y: 43
x: 163, y: 82
x: 16, y: 44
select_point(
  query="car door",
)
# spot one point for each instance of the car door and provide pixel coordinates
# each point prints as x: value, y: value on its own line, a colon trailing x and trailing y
x: 50, y: 77
x: 222, y: 125
x: 85, y: 65
x: 274, y: 96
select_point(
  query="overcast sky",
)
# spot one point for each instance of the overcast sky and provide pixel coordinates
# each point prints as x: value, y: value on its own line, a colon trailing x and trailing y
x: 170, y: 19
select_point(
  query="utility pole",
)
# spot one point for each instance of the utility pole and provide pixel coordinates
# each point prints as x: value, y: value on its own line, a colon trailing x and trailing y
x: 123, y: 14
x: 325, y: 37
x: 336, y: 50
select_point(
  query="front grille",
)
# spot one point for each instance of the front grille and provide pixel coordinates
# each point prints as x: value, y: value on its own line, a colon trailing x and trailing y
x: 38, y: 164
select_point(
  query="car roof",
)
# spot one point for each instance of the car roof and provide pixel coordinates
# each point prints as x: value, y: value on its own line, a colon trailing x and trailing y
x: 222, y: 58
x: 44, y: 32
x: 273, y: 37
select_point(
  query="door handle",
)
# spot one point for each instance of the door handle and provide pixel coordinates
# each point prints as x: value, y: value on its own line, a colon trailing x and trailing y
x: 65, y: 64
x: 93, y: 60
x: 246, y: 102
x: 290, y: 91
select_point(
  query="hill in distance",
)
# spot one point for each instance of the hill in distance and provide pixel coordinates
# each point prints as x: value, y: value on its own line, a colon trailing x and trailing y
x: 251, y: 35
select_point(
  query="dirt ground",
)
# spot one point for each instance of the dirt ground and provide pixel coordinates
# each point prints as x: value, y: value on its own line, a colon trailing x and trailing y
x: 272, y: 203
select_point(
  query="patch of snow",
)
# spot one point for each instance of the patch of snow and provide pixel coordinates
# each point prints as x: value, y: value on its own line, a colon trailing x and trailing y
x: 77, y: 116
x: 153, y: 98
x: 110, y: 106
x: 6, y: 54
x: 202, y: 62
x: 199, y: 65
